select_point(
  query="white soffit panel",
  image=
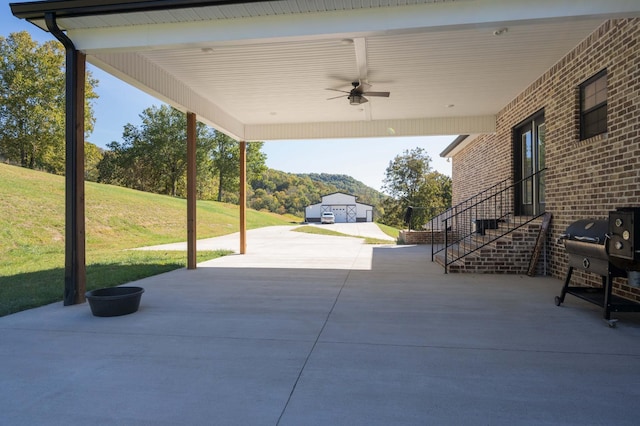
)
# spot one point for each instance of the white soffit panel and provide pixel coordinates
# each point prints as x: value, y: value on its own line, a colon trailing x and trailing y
x: 144, y: 75
x: 258, y: 84
x: 207, y: 24
x: 260, y: 71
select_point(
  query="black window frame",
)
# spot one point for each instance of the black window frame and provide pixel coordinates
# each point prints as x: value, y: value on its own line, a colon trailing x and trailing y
x: 593, y: 120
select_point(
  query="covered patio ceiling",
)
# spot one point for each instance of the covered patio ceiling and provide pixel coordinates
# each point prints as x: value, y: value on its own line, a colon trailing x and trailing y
x: 260, y: 70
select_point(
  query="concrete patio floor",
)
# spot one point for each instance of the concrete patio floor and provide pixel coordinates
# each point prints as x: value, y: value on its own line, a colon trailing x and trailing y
x: 317, y: 330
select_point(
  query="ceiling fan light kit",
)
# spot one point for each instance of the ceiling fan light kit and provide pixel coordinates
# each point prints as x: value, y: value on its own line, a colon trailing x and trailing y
x: 356, y: 99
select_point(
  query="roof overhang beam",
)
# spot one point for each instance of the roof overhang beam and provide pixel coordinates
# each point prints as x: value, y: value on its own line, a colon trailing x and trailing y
x: 77, y: 8
x: 371, y: 129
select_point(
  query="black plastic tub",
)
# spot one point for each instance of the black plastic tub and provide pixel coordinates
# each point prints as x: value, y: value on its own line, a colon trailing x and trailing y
x: 114, y: 301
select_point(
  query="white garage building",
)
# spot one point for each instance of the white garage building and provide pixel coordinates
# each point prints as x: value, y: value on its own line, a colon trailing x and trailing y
x: 344, y: 207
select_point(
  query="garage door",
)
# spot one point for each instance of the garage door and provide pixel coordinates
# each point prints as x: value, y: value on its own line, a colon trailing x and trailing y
x: 340, y: 212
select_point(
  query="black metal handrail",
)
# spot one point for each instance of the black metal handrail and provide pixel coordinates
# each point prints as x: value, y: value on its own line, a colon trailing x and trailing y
x: 464, y: 225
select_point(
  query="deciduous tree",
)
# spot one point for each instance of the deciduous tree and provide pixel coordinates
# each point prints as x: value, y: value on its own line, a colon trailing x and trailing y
x: 92, y: 157
x: 32, y: 102
x: 411, y: 182
x: 153, y: 157
x: 225, y: 161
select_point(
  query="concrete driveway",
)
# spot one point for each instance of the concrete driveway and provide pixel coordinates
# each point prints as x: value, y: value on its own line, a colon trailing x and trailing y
x: 258, y: 238
x: 358, y: 229
x: 316, y: 330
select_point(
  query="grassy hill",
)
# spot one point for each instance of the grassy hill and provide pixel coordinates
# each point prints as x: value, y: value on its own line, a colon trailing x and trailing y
x: 32, y: 234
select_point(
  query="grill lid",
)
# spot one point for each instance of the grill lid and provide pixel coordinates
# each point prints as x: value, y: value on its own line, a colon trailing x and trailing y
x: 587, y: 230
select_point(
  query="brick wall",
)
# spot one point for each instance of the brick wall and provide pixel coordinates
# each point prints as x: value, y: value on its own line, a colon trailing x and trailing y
x: 508, y: 255
x: 584, y: 178
x: 424, y: 237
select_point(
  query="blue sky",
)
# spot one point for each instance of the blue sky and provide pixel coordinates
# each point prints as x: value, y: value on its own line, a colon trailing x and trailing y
x: 120, y: 103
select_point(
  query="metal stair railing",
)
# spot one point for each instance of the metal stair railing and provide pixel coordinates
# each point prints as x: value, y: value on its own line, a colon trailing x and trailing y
x: 435, y: 224
x: 462, y: 229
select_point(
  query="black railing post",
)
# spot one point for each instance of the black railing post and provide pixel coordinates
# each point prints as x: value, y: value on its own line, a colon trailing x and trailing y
x: 431, y: 224
x: 446, y: 243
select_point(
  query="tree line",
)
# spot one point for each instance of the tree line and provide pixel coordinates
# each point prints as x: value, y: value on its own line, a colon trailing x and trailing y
x: 152, y: 156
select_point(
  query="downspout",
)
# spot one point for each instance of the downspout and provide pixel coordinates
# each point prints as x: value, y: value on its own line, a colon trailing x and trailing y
x: 75, y: 268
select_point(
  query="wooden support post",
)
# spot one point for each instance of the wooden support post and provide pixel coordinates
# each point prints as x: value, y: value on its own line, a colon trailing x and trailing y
x: 191, y: 191
x: 75, y: 276
x: 243, y: 197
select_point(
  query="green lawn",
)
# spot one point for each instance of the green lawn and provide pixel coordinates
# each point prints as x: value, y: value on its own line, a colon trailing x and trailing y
x: 389, y: 230
x: 32, y: 234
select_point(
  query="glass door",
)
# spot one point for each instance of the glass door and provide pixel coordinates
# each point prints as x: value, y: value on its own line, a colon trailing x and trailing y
x: 530, y: 160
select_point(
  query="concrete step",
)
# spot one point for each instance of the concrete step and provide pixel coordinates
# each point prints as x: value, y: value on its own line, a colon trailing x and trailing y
x: 456, y: 266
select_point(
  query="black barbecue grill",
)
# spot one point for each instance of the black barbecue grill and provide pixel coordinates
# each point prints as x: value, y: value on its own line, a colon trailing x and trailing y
x: 584, y: 241
x: 606, y: 248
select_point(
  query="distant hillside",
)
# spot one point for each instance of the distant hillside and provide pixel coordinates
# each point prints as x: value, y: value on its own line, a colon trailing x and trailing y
x: 282, y: 192
x: 348, y: 185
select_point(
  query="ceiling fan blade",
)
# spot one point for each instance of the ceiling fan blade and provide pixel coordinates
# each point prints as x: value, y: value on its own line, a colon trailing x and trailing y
x: 336, y: 97
x: 363, y: 100
x: 382, y: 94
x: 337, y: 90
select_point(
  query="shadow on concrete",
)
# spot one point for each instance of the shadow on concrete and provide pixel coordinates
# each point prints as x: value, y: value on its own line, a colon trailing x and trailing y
x: 31, y: 289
